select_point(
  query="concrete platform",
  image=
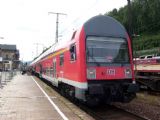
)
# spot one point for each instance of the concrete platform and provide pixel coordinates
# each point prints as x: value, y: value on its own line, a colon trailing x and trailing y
x: 22, y: 99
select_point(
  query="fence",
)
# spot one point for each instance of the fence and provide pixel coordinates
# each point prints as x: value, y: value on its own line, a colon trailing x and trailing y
x: 6, y: 76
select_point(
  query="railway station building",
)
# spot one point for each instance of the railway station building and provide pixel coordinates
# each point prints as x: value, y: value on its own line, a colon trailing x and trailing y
x: 9, y: 57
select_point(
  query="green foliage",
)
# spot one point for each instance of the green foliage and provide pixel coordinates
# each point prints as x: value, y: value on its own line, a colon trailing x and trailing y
x: 145, y: 22
x: 147, y: 44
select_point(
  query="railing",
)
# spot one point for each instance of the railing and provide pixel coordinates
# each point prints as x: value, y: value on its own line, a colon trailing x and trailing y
x: 6, y: 76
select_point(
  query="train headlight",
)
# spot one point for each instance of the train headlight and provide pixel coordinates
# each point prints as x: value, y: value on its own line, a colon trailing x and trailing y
x: 128, y: 73
x: 91, y: 73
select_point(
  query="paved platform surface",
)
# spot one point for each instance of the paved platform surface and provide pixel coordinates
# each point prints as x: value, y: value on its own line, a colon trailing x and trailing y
x: 22, y: 99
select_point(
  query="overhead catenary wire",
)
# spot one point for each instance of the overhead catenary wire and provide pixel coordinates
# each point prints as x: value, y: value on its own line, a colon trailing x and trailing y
x: 79, y: 18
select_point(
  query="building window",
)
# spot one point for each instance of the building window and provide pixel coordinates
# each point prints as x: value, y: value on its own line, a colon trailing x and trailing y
x: 7, y: 57
x: 73, y: 52
x: 61, y: 63
x: 13, y: 57
x: 0, y: 52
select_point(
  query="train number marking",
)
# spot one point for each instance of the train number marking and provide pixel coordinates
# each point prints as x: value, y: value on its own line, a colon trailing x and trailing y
x: 111, y: 72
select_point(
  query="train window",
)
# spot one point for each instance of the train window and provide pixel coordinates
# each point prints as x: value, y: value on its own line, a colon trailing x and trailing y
x: 142, y: 57
x: 34, y: 68
x: 106, y: 50
x: 44, y: 70
x: 73, y: 52
x: 40, y: 68
x: 61, y: 59
x: 51, y: 71
x: 149, y: 56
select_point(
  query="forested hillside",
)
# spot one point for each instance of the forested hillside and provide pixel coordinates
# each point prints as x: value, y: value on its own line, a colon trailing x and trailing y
x: 145, y: 24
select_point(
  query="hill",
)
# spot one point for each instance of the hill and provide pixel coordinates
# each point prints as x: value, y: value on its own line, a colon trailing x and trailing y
x: 145, y: 24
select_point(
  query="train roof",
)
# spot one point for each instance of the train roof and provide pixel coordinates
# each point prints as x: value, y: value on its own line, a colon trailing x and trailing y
x: 47, y: 52
x: 97, y: 26
x: 104, y: 26
x: 50, y: 50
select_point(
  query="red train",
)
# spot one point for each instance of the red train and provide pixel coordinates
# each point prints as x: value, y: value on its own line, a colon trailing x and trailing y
x: 94, y: 65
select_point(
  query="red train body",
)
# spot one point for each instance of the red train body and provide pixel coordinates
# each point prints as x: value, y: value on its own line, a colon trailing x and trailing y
x: 95, y: 63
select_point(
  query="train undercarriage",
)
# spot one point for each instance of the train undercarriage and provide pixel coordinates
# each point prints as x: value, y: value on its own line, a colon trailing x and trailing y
x: 101, y: 92
x: 149, y: 80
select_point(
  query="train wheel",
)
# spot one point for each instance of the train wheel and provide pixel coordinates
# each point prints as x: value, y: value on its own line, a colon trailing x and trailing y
x: 92, y: 101
x: 61, y: 89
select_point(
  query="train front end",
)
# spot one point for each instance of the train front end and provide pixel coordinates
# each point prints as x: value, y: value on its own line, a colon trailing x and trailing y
x: 109, y: 65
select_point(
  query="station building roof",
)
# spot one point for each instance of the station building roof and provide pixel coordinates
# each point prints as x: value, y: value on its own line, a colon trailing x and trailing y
x: 7, y: 47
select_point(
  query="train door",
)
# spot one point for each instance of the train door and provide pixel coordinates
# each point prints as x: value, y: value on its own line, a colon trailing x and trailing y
x: 55, y: 80
x: 54, y: 68
x: 40, y: 73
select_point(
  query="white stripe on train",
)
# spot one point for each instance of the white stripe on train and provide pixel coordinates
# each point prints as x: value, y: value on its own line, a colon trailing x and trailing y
x: 55, y: 81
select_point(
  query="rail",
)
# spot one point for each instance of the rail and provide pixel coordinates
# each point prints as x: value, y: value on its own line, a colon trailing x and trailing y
x: 107, y: 112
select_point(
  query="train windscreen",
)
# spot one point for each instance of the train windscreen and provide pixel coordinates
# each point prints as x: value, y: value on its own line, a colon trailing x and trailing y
x: 106, y: 50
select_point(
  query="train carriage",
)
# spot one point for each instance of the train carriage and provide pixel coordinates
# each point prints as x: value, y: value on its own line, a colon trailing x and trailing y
x: 147, y: 71
x: 95, y: 64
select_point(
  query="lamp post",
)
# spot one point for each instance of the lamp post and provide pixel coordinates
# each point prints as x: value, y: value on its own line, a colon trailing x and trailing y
x: 135, y: 54
x: 130, y: 18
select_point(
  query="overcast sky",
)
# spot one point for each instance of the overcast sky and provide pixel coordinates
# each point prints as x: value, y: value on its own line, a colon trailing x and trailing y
x: 26, y: 22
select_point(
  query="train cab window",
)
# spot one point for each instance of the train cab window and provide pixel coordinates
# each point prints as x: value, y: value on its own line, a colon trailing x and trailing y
x: 61, y: 63
x: 73, y: 52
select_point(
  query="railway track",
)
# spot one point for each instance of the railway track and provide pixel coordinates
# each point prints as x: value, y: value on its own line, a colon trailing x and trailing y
x: 111, y: 112
x: 103, y: 112
x: 149, y: 92
x: 137, y: 117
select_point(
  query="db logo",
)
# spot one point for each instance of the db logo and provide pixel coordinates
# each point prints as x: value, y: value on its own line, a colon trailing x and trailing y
x: 111, y: 72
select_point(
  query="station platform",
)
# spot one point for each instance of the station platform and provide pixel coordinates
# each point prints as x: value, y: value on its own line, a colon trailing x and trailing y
x: 23, y: 99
